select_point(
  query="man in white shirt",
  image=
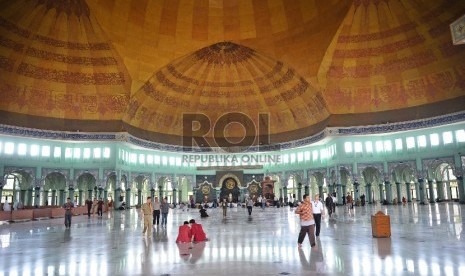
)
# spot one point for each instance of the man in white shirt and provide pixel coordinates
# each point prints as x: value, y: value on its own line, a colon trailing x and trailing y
x: 333, y: 196
x: 318, y: 211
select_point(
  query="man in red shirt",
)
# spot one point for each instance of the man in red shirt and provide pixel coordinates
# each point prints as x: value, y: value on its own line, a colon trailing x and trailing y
x: 198, y: 235
x: 184, y: 234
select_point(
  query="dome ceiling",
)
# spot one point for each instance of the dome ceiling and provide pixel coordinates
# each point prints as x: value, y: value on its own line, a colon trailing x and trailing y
x: 394, y: 55
x: 226, y: 78
x: 137, y: 66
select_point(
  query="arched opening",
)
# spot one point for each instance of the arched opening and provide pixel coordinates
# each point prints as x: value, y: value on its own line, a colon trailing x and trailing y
x: 165, y: 189
x: 11, y: 190
x: 54, y: 189
x: 86, y: 188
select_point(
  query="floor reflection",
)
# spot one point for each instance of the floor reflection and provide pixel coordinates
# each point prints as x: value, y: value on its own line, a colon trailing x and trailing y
x: 425, y: 240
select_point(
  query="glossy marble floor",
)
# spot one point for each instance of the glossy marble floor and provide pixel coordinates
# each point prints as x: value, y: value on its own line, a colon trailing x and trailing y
x: 426, y: 240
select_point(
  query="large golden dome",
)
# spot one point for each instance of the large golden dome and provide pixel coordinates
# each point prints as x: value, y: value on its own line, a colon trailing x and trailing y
x: 138, y: 66
x: 220, y: 80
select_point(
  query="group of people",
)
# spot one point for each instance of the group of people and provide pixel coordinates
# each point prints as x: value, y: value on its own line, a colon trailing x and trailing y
x: 93, y: 206
x: 310, y: 212
x: 150, y: 213
x: 191, y: 231
x: 188, y: 232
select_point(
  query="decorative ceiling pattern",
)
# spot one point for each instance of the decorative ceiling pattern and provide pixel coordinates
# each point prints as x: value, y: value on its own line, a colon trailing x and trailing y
x: 57, y: 63
x: 138, y: 66
x: 392, y: 55
x: 224, y: 78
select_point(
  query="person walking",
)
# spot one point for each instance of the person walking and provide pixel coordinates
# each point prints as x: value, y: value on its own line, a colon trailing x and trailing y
x: 156, y: 212
x: 329, y: 205
x: 100, y: 207
x: 350, y: 201
x: 333, y: 196
x: 224, y: 204
x: 362, y: 198
x: 249, y: 205
x: 318, y: 212
x: 89, y: 207
x: 94, y: 206
x: 146, y: 215
x: 263, y: 203
x: 69, y: 207
x: 307, y: 222
x: 164, y: 207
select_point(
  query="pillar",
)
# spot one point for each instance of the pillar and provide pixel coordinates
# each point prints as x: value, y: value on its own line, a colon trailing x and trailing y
x: 431, y: 191
x: 356, y: 192
x: 307, y: 190
x: 54, y: 198
x: 320, y: 191
x: 409, y: 194
x: 61, y: 198
x: 46, y: 202
x: 160, y: 193
x: 100, y: 192
x: 339, y: 194
x: 344, y: 193
x: 440, y: 189
x: 152, y: 194
x: 330, y: 189
x: 417, y: 191
x: 388, y: 187
x: 36, y: 196
x: 105, y: 195
x: 285, y: 195
x: 421, y: 184
x: 128, y: 198
x: 29, y: 197
x: 22, y: 197
x: 299, y: 191
x: 399, y: 193
x: 381, y: 193
x: 90, y: 194
x: 116, y: 201
x: 71, y: 194
x: 139, y: 197
x: 174, y: 197
x: 461, y: 185
x: 80, y: 198
x: 369, y: 196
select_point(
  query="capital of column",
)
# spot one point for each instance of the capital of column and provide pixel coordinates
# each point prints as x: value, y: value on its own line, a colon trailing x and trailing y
x: 387, y: 178
x: 459, y: 173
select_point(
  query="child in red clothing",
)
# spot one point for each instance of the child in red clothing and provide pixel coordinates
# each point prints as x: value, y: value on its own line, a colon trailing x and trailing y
x: 198, y: 235
x: 184, y: 234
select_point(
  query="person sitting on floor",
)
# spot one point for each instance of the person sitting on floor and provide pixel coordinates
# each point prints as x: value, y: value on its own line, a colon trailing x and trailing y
x: 184, y: 234
x: 203, y: 212
x: 198, y: 235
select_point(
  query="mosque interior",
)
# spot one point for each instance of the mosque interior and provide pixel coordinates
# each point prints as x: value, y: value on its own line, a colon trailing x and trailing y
x: 207, y: 100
